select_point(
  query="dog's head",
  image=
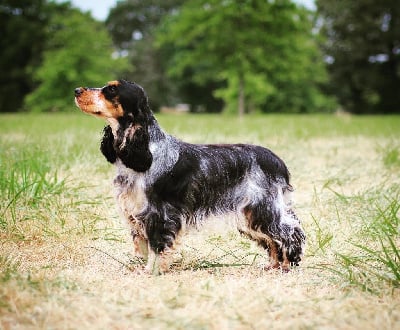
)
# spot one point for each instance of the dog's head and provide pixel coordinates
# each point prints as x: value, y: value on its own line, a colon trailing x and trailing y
x: 119, y: 98
x: 125, y: 107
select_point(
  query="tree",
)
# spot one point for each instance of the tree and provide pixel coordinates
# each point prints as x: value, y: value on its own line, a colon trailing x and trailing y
x: 131, y: 24
x: 22, y: 31
x: 79, y: 52
x: 363, y: 51
x: 262, y: 53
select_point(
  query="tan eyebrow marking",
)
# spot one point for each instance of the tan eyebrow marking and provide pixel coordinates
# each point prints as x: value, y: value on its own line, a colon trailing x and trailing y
x: 113, y: 82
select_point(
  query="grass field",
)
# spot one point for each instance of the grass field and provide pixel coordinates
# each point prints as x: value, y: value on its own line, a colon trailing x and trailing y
x: 65, y: 257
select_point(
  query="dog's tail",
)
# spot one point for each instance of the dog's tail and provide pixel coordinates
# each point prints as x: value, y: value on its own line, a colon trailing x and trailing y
x: 273, y: 166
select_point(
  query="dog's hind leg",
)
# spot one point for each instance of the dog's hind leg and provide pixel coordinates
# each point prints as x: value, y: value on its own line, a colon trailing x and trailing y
x: 276, y: 228
x: 262, y: 236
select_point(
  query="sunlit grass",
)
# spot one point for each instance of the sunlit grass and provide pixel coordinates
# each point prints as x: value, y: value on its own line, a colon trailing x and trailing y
x: 65, y: 258
x: 370, y: 258
x: 40, y: 194
x: 26, y: 182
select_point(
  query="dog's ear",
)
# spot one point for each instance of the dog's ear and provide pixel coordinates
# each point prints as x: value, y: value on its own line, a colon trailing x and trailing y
x: 134, y: 101
x: 107, y: 145
x: 135, y: 152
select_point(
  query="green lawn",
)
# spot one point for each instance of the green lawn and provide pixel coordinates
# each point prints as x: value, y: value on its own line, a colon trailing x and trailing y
x: 65, y: 256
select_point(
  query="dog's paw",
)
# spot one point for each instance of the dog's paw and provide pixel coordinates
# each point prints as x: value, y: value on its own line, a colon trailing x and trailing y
x: 295, y: 248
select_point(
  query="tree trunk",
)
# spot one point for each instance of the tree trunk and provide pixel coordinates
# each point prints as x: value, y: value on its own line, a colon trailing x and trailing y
x: 241, y: 100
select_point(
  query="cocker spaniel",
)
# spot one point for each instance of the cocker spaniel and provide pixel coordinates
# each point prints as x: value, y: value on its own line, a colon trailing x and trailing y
x: 164, y: 184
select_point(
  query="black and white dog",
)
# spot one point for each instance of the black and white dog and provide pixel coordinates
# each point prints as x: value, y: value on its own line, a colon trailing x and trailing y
x: 163, y: 184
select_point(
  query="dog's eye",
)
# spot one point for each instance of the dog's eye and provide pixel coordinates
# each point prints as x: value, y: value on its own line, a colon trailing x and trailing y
x: 112, y: 89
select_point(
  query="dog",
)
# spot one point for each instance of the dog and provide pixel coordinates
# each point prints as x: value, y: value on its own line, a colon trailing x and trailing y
x: 164, y: 184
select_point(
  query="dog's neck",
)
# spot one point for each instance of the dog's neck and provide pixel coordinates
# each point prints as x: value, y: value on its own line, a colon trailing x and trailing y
x: 156, y: 133
x: 114, y: 125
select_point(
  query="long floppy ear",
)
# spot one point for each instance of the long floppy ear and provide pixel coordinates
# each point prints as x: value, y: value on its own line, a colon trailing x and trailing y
x: 135, y: 152
x: 107, y: 145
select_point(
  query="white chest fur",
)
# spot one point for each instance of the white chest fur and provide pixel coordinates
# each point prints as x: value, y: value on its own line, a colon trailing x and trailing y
x: 129, y: 192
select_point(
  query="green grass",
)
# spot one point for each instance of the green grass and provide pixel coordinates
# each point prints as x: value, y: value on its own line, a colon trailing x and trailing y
x: 65, y: 257
x: 25, y: 182
x: 40, y: 195
x: 283, y: 126
x: 373, y: 260
x: 293, y: 126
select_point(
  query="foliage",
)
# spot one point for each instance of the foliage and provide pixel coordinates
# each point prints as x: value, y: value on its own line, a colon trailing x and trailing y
x: 78, y: 51
x: 22, y: 31
x: 131, y: 24
x: 48, y: 49
x: 263, y: 52
x: 363, y: 51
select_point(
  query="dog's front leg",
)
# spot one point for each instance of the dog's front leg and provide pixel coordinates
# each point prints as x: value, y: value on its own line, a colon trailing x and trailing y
x: 153, y: 263
x: 162, y: 232
x: 140, y: 246
x: 159, y: 263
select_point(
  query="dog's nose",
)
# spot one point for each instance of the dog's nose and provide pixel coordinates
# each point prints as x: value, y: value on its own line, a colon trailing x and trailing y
x: 79, y: 91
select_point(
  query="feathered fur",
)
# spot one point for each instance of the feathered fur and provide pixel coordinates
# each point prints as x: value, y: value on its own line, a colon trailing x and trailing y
x: 163, y: 184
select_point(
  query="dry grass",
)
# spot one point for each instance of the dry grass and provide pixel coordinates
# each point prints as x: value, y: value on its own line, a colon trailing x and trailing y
x: 65, y: 256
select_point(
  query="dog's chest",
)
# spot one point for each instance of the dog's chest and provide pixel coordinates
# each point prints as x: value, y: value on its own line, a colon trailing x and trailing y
x: 130, y: 194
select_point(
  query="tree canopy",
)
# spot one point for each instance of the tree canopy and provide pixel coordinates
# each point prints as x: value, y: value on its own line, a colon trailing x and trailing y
x: 78, y: 52
x: 132, y: 25
x: 48, y: 49
x: 363, y: 51
x: 243, y: 56
x: 23, y: 34
x: 263, y: 53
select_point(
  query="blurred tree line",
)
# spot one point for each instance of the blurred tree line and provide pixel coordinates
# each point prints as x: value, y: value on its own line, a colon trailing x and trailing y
x: 362, y: 49
x: 48, y: 49
x: 238, y: 56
